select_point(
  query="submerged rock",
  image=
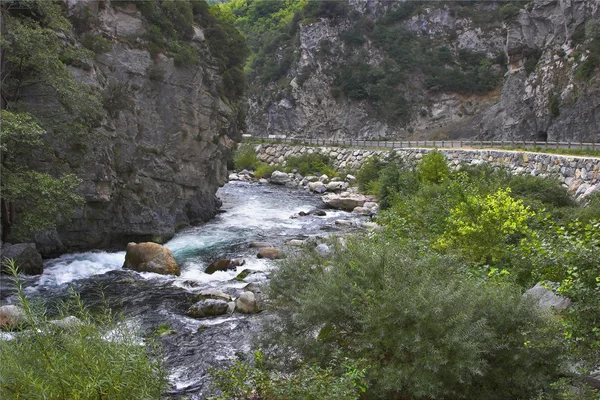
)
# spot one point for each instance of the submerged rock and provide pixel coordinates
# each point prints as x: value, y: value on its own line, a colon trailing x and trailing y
x: 26, y: 257
x: 151, y: 257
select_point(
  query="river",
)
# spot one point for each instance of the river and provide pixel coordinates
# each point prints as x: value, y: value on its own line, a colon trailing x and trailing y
x: 251, y: 212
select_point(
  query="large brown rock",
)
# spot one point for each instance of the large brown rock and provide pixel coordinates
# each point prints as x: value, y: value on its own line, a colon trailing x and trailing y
x: 151, y: 257
x: 223, y: 265
x: 270, y: 253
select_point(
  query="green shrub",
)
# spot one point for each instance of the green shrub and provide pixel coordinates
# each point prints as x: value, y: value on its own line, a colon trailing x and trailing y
x: 509, y: 11
x: 78, y: 361
x: 265, y: 170
x: 306, y: 164
x: 95, y: 43
x: 245, y: 381
x: 433, y: 168
x: 483, y: 229
x: 155, y: 72
x: 532, y: 189
x: 245, y: 158
x: 425, y: 327
x: 368, y: 174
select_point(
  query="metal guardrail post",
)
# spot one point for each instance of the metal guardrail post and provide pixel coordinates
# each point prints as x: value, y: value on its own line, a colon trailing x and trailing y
x: 569, y: 145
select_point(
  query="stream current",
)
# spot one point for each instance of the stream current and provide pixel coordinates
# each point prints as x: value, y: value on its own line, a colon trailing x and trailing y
x: 252, y: 213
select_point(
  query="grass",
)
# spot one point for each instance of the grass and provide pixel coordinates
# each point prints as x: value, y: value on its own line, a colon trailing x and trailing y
x: 98, y: 357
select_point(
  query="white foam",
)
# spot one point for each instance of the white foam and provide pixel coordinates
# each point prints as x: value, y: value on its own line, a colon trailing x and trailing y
x: 71, y: 267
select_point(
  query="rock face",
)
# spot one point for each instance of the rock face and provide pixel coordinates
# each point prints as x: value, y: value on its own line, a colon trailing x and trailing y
x: 151, y: 257
x: 27, y: 259
x: 160, y: 153
x: 518, y: 109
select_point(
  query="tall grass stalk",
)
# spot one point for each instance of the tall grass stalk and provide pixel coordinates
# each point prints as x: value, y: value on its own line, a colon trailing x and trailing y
x: 92, y: 357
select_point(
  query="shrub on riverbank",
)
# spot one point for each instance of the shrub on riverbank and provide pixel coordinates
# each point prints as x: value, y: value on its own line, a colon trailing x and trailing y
x: 308, y: 164
x: 245, y: 158
x: 91, y: 357
x: 425, y: 325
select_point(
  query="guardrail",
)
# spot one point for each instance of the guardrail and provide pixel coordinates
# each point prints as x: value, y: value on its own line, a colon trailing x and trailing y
x: 446, y: 144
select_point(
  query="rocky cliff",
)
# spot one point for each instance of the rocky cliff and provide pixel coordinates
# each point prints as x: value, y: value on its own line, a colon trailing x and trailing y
x: 158, y: 156
x: 534, y: 50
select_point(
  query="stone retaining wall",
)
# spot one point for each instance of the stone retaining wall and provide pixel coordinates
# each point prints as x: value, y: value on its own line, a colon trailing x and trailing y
x: 580, y: 174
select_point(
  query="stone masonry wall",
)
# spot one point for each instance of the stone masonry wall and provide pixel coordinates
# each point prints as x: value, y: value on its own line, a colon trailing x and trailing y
x: 580, y: 174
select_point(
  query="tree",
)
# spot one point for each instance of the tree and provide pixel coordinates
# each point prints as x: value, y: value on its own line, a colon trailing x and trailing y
x: 40, y: 101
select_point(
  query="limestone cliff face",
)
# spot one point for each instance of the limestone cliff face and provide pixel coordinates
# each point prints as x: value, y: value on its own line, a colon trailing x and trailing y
x: 518, y: 109
x: 160, y: 153
x: 523, y: 109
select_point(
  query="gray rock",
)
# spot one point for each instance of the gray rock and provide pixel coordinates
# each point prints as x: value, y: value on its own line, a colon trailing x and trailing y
x: 336, y: 186
x: 323, y: 250
x: 279, y: 178
x: 263, y: 181
x: 546, y: 299
x: 324, y: 178
x: 318, y: 187
x: 345, y: 201
x: 246, y: 303
x: 215, y: 295
x: 26, y: 257
x: 208, y: 308
x: 344, y: 222
x: 11, y: 316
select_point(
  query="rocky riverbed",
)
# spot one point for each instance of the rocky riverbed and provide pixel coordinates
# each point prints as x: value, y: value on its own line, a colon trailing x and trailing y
x: 252, y: 213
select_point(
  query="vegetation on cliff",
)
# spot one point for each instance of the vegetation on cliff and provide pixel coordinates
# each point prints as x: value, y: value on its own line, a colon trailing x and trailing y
x: 39, y: 95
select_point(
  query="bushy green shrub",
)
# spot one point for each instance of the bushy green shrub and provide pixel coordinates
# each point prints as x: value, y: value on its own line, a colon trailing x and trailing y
x: 93, y: 358
x: 96, y: 43
x: 245, y: 158
x: 433, y: 167
x: 313, y: 163
x: 426, y: 328
x: 265, y: 170
x: 368, y: 174
x: 246, y: 381
x: 485, y: 229
x: 547, y: 191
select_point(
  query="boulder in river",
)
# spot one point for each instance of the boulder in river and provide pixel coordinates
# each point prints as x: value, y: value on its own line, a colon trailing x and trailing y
x: 336, y: 186
x: 346, y: 200
x: 27, y: 259
x: 223, y: 265
x: 246, y: 303
x: 270, y: 253
x: 11, y: 317
x: 208, y: 308
x: 279, y: 178
x: 317, y: 187
x: 151, y: 257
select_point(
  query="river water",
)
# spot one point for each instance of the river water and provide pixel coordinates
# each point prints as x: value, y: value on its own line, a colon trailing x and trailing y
x: 251, y: 212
